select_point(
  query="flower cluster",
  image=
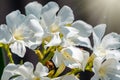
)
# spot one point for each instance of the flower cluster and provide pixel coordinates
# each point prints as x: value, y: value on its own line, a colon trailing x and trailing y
x: 60, y: 43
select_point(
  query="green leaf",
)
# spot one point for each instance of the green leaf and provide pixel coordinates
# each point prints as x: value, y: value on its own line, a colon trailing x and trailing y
x: 1, y: 62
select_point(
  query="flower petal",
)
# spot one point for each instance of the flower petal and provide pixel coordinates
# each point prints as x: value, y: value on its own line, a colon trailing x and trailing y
x: 14, y: 19
x: 84, y: 28
x: 49, y: 12
x: 66, y: 15
x: 5, y: 35
x: 9, y: 71
x: 36, y: 27
x: 33, y: 8
x: 25, y: 70
x: 69, y: 77
x: 81, y: 41
x: 41, y: 70
x: 18, y: 48
x: 56, y: 40
x: 58, y: 58
x: 98, y: 33
x: 111, y: 41
x: 69, y: 31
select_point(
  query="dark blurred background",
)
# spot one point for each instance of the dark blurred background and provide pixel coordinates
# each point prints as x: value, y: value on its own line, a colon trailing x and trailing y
x: 93, y: 12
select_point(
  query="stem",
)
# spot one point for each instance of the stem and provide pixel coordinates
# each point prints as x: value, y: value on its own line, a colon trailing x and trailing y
x: 90, y: 63
x: 9, y: 54
x: 50, y: 53
x: 39, y: 54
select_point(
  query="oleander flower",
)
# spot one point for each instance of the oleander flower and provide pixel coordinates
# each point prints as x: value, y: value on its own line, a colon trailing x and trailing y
x: 72, y: 57
x: 56, y: 23
x: 49, y: 21
x: 77, y: 34
x: 107, y: 45
x: 106, y: 69
x: 21, y: 31
x: 25, y: 72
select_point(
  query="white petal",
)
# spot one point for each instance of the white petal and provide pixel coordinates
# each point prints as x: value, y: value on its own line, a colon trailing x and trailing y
x: 81, y: 41
x: 56, y: 40
x: 33, y: 8
x: 33, y: 43
x: 75, y: 55
x: 14, y: 19
x: 69, y: 31
x: 25, y: 70
x: 36, y: 27
x: 111, y: 41
x: 95, y: 77
x: 97, y: 63
x: 8, y: 70
x: 86, y: 57
x: 66, y: 15
x: 99, y: 30
x: 18, y: 48
x: 84, y: 28
x: 41, y: 70
x: 69, y: 77
x: 4, y: 77
x: 49, y: 12
x: 98, y: 33
x: 5, y: 35
x: 58, y: 58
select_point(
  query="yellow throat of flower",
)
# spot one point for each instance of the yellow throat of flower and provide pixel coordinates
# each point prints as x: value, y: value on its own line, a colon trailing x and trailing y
x: 18, y: 34
x: 36, y: 78
x: 54, y: 28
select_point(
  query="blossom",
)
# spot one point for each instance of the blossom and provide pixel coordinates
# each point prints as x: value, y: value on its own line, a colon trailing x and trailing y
x: 49, y: 21
x: 21, y: 31
x: 25, y: 72
x: 72, y: 57
x: 56, y: 23
x: 107, y: 45
x: 77, y: 34
x: 108, y: 69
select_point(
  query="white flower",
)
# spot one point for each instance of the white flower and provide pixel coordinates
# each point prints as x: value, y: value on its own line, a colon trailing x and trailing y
x: 50, y: 20
x: 108, y: 69
x: 72, y: 57
x: 77, y: 34
x: 21, y: 31
x: 107, y: 45
x: 60, y: 22
x: 25, y: 72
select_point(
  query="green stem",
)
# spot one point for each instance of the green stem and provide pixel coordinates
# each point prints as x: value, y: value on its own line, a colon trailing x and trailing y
x: 9, y: 54
x: 39, y: 54
x: 49, y: 53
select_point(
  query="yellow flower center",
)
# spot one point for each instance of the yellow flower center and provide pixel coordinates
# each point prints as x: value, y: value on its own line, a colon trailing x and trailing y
x: 18, y: 34
x: 101, y: 51
x: 102, y: 72
x: 36, y: 78
x: 54, y: 28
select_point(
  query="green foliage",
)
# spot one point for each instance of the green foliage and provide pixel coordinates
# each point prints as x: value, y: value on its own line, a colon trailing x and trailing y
x: 1, y: 62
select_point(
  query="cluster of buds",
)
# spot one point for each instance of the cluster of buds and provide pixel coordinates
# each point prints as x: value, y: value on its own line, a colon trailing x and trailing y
x: 60, y: 43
